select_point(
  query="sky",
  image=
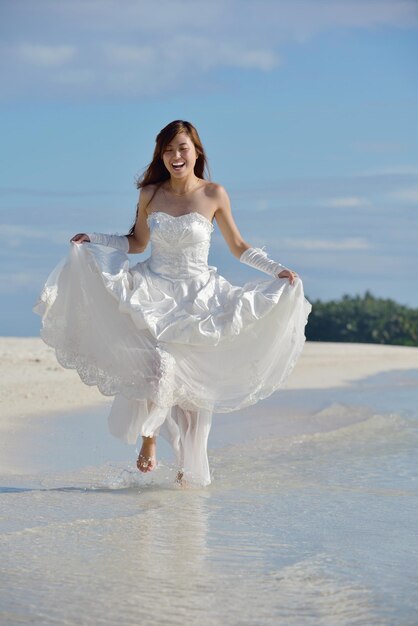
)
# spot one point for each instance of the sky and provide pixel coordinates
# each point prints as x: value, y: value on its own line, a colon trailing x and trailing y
x: 308, y: 112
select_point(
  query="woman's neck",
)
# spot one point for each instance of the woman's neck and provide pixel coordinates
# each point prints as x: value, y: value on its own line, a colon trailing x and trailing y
x: 183, y: 187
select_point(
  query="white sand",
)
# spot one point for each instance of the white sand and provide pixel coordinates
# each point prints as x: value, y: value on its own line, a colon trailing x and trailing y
x: 324, y: 364
x: 33, y: 383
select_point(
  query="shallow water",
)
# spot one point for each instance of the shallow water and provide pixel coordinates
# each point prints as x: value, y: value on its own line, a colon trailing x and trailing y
x: 313, y: 522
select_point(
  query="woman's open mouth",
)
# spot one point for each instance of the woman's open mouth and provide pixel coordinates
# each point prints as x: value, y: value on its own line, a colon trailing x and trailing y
x: 178, y: 166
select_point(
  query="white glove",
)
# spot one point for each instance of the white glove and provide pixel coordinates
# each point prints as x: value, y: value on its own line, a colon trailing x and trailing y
x: 257, y: 257
x: 120, y: 242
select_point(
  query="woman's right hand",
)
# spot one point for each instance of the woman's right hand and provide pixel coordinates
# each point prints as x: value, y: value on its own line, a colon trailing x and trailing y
x: 79, y: 238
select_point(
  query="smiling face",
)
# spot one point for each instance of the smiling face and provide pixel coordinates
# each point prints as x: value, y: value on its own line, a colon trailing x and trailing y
x: 179, y: 156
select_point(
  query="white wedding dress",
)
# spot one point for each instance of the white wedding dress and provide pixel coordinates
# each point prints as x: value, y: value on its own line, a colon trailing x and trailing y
x: 170, y: 338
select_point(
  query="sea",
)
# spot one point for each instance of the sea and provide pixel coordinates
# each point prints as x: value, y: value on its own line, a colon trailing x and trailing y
x: 311, y: 518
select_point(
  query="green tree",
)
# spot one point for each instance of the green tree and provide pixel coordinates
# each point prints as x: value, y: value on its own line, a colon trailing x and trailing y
x: 363, y: 319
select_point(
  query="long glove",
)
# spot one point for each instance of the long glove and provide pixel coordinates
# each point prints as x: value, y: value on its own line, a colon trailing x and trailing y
x: 257, y: 257
x: 120, y: 242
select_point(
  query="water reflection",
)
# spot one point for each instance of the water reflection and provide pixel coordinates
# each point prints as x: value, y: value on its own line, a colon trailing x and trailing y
x: 303, y: 529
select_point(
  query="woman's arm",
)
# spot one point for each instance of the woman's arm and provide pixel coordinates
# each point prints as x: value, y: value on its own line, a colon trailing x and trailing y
x: 141, y: 235
x: 239, y: 247
x: 118, y: 242
x: 227, y: 225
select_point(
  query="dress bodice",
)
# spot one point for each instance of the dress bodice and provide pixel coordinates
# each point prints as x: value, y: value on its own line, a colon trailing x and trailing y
x: 179, y: 244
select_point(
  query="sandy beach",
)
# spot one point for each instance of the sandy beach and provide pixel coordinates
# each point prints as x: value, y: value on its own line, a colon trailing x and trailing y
x: 310, y: 518
x: 33, y: 383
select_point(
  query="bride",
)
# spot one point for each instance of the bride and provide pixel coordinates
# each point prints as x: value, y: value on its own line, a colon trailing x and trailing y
x: 169, y: 337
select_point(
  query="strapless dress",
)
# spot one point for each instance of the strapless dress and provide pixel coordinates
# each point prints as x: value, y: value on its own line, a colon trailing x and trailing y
x: 170, y: 337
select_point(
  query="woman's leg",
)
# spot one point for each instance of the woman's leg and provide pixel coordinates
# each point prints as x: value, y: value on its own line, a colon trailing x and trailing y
x: 194, y: 427
x: 129, y: 419
x: 186, y: 430
x: 147, y: 459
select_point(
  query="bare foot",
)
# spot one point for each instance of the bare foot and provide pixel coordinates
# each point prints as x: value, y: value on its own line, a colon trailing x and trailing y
x: 147, y: 460
x: 180, y: 480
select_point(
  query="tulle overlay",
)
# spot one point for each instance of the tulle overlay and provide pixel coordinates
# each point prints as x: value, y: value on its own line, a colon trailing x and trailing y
x: 171, y: 338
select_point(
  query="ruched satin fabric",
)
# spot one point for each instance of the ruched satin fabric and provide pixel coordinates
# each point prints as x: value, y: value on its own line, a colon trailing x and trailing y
x: 169, y: 337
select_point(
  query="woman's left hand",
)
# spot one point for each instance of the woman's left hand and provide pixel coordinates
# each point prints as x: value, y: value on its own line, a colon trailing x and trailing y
x: 288, y: 274
x: 79, y: 238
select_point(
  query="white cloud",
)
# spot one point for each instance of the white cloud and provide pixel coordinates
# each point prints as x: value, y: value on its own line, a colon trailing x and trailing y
x: 77, y: 77
x: 15, y: 281
x: 234, y: 56
x: 393, y: 170
x: 353, y: 243
x: 379, y: 147
x: 45, y: 55
x: 112, y: 16
x: 145, y: 48
x: 296, y: 19
x: 371, y: 193
x: 121, y: 54
x: 14, y: 236
x: 346, y: 202
x: 408, y: 195
x: 206, y: 51
x: 192, y: 51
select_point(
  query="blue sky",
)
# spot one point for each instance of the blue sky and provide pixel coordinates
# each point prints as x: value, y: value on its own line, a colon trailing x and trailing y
x: 308, y: 111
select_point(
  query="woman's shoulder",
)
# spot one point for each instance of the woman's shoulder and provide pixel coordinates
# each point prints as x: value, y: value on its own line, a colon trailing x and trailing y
x: 214, y: 190
x: 149, y: 190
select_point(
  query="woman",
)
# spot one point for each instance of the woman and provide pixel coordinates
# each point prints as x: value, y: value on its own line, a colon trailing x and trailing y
x: 170, y: 338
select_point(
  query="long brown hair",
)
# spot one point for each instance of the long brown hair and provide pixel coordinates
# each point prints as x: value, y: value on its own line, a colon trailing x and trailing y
x: 156, y: 173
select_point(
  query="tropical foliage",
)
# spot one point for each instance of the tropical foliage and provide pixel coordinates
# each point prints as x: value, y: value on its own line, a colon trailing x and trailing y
x: 363, y: 319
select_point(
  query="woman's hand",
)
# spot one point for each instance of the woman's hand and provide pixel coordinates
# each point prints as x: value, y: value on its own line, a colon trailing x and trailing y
x: 288, y: 274
x: 80, y: 238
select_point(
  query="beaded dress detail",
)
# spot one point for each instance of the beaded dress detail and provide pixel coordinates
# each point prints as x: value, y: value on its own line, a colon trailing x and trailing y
x: 169, y: 337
